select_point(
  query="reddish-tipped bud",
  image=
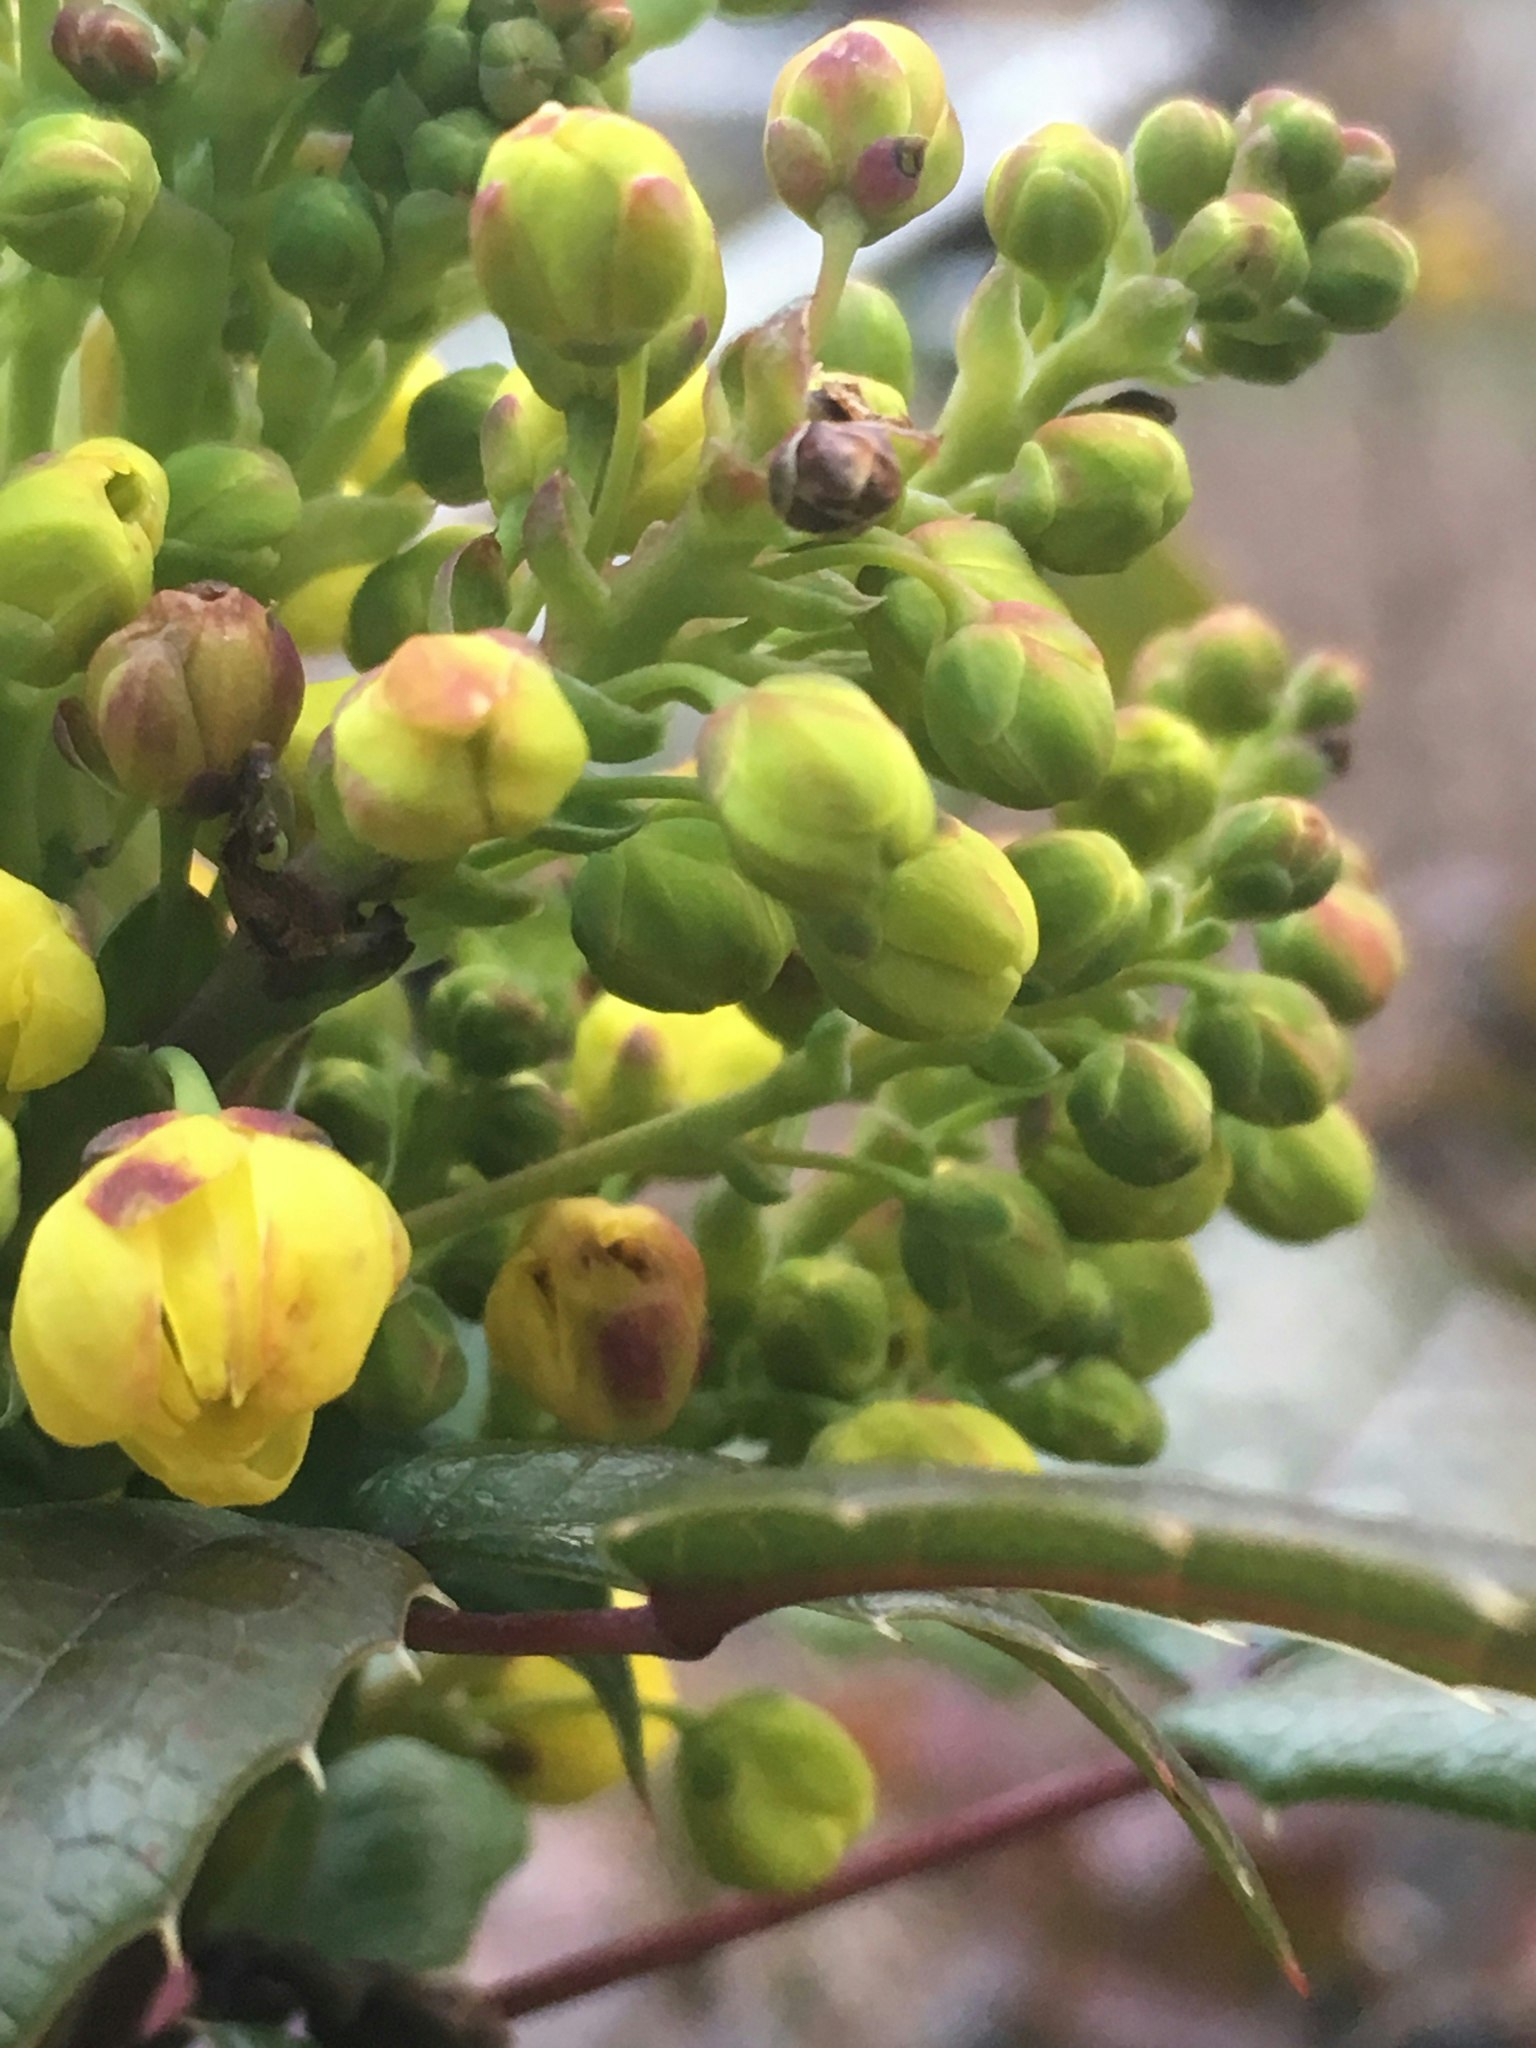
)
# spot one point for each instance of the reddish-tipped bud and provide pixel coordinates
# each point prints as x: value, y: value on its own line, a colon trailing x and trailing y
x: 1348, y: 950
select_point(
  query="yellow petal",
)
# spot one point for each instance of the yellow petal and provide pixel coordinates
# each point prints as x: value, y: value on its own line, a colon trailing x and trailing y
x: 209, y: 1464
x: 85, y: 1330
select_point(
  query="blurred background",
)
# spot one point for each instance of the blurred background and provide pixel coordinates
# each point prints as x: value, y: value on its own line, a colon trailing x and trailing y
x: 1388, y: 504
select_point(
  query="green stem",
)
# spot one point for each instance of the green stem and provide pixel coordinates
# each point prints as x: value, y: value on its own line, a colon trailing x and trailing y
x: 50, y: 318
x: 879, y: 549
x: 671, y: 682
x: 191, y: 1087
x: 842, y: 236
x: 623, y: 454
x: 885, y: 1180
x: 621, y: 788
x: 26, y: 726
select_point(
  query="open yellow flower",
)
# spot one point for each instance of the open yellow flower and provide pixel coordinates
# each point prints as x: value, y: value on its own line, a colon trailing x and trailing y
x: 51, y: 1005
x: 202, y: 1289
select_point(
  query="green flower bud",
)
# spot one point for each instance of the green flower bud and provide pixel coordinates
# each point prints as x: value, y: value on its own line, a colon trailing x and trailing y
x: 442, y: 433
x: 1162, y: 1303
x: 861, y: 121
x: 227, y: 505
x: 449, y: 154
x: 922, y: 1433
x: 440, y: 68
x: 1301, y: 1184
x: 1086, y: 1323
x: 1325, y: 691
x: 1274, y: 350
x: 772, y: 1791
x: 1241, y: 257
x: 1182, y: 155
x: 1161, y: 786
x: 1364, y: 271
x: 1225, y: 672
x: 1271, y: 1051
x: 488, y: 1022
x: 415, y: 1369
x: 987, y: 559
x: 355, y: 1105
x: 515, y: 1124
x: 521, y: 64
x: 822, y: 1326
x: 1119, y: 485
x: 113, y: 52
x: 175, y: 702
x: 1092, y: 906
x: 1269, y: 857
x: 1090, y: 1410
x: 1055, y: 203
x: 1348, y: 949
x: 674, y: 356
x: 1012, y: 1280
x: 1365, y: 176
x: 1100, y: 1208
x: 74, y: 191
x: 394, y: 599
x: 867, y: 336
x: 1289, y: 143
x: 10, y: 1180
x: 835, y: 476
x: 1018, y: 708
x: 665, y: 920
x: 322, y: 242
x: 587, y: 236
x: 956, y: 935
x: 1142, y: 1111
x: 819, y: 794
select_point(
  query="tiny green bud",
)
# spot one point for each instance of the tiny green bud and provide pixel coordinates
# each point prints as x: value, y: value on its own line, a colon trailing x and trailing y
x: 1161, y: 1301
x: 1364, y: 271
x: 1289, y: 142
x: 442, y: 433
x: 1100, y: 1208
x: 515, y: 1123
x: 1241, y: 256
x: 521, y: 64
x: 1268, y: 857
x: 440, y: 67
x: 1303, y: 1183
x: 1348, y: 949
x: 867, y: 336
x: 226, y: 504
x: 74, y: 191
x: 1088, y: 1320
x: 322, y: 242
x: 666, y: 920
x: 1090, y: 1410
x: 1055, y: 203
x: 394, y: 599
x: 1119, y: 484
x: 415, y: 1369
x: 1365, y: 176
x: 820, y: 795
x: 772, y: 1791
x: 822, y: 1326
x: 488, y: 1022
x: 1142, y: 1111
x: 1225, y: 671
x: 1018, y: 707
x: 1276, y: 349
x: 922, y: 1433
x: 1092, y: 906
x: 1011, y: 1282
x: 449, y: 154
x: 355, y: 1105
x: 1324, y: 692
x: 1161, y: 785
x: 1271, y: 1051
x: 1182, y: 154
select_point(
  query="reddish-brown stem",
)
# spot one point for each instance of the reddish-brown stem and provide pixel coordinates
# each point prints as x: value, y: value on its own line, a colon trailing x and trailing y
x: 989, y: 1824
x: 626, y: 1631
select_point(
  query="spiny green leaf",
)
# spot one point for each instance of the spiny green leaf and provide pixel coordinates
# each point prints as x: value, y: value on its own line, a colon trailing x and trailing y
x: 155, y: 1661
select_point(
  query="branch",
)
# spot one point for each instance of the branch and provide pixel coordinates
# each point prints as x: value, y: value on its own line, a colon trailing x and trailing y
x: 1010, y: 1816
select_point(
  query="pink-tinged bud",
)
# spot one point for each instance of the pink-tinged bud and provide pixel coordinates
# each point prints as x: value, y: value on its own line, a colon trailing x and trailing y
x: 1348, y: 950
x: 176, y: 701
x: 599, y: 1316
x: 862, y: 119
x: 113, y: 52
x: 460, y: 737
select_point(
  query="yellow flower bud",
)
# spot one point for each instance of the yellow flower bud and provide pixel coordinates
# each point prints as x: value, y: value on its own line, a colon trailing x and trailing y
x: 923, y: 1433
x: 629, y: 1062
x: 460, y: 737
x: 386, y: 444
x: 199, y: 1292
x: 599, y: 1317
x: 671, y: 451
x: 316, y: 614
x: 539, y: 1725
x: 51, y: 1005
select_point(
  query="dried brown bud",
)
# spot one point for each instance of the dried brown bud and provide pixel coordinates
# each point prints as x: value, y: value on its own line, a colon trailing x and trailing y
x: 835, y: 476
x: 114, y: 53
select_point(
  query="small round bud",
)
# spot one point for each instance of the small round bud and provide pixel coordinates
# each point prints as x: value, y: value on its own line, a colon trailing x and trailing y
x: 666, y: 921
x: 415, y: 1369
x: 113, y: 52
x: 1269, y: 857
x: 1364, y: 271
x: 514, y: 1124
x: 822, y: 1326
x: 1012, y: 1281
x: 1099, y: 1208
x: 521, y: 64
x: 819, y: 793
x: 868, y: 336
x: 449, y: 154
x: 1161, y: 1302
x: 1348, y: 949
x: 1241, y: 257
x: 1090, y: 1410
x: 1119, y: 484
x: 861, y: 120
x: 629, y: 1063
x: 772, y: 1791
x: 835, y: 476
x: 1289, y: 143
x: 1271, y: 1051
x: 1324, y: 692
x: 355, y: 1105
x: 1161, y: 786
x: 75, y: 191
x: 460, y: 737
x: 598, y: 1316
x: 176, y: 701
x: 488, y: 1022
x: 227, y: 503
x: 1182, y: 156
x: 442, y: 433
x: 1018, y: 708
x: 394, y: 599
x: 440, y: 67
x: 1055, y: 203
x: 587, y: 236
x: 1276, y: 349
x: 1225, y: 672
x: 956, y: 935
x: 1365, y: 176
x: 1091, y: 903
x: 322, y: 242
x: 1301, y: 1184
x: 1142, y: 1111
x: 52, y: 1006
x: 923, y: 1433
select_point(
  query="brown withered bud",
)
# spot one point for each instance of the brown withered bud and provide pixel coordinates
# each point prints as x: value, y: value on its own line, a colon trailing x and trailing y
x: 114, y: 53
x: 835, y: 476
